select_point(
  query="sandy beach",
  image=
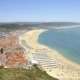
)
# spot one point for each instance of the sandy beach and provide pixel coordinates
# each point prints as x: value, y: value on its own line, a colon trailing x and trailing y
x: 62, y: 68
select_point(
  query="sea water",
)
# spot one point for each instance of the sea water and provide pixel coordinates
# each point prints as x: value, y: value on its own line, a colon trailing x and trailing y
x: 65, y: 41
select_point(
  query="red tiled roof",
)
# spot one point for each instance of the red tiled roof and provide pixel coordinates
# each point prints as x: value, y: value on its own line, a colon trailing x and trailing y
x: 15, y: 58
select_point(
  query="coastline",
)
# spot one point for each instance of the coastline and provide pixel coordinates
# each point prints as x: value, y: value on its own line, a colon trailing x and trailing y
x: 65, y: 70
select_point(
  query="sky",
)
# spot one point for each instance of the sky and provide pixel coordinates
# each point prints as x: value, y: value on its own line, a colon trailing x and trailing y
x: 39, y: 10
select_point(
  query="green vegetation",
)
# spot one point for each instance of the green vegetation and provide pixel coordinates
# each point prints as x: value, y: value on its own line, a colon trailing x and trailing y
x: 22, y: 74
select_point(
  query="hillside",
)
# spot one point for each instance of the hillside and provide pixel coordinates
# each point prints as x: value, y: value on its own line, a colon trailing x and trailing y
x: 22, y: 74
x: 6, y: 27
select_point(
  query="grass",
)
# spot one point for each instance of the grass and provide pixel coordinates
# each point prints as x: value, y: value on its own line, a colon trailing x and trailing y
x: 22, y: 74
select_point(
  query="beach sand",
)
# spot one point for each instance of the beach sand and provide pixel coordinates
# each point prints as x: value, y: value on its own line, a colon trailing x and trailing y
x: 64, y: 70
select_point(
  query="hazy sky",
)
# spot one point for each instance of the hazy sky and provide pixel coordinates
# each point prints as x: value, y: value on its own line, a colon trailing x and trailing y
x: 39, y: 10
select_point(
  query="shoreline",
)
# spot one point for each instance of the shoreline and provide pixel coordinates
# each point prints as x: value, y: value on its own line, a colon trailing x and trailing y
x: 65, y: 70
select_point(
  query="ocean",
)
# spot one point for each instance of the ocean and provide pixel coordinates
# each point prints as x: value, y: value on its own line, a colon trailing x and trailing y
x: 65, y: 40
